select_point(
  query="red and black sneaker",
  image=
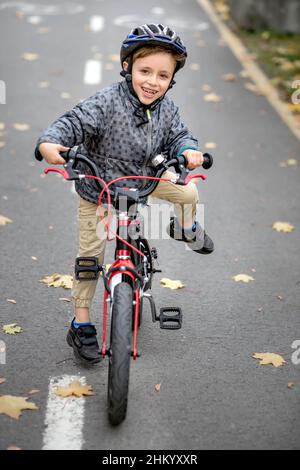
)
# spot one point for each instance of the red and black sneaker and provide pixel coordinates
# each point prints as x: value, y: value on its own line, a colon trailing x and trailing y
x: 84, y: 342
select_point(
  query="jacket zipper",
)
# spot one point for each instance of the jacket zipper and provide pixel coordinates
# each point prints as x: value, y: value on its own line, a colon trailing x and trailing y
x: 149, y: 144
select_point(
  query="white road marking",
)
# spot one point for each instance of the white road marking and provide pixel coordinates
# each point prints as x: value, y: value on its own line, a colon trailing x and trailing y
x: 64, y: 417
x: 93, y: 72
x: 30, y: 8
x: 96, y: 23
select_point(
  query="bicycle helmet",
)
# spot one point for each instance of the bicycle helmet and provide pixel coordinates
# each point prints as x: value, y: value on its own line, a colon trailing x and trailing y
x: 153, y: 35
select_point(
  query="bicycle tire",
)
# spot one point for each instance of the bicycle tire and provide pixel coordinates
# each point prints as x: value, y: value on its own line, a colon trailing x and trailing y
x: 120, y: 349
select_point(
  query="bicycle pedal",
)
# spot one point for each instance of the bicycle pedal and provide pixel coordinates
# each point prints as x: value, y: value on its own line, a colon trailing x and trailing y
x: 170, y: 318
x: 87, y: 268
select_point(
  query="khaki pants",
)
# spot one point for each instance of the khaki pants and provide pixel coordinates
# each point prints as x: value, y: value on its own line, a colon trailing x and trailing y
x: 184, y: 198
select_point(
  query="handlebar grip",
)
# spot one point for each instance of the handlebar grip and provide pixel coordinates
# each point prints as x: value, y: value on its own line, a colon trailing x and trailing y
x: 208, y: 161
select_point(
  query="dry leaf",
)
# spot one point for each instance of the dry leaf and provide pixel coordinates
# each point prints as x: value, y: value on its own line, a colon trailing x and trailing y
x: 30, y: 56
x: 2, y: 145
x: 2, y: 126
x: 195, y: 66
x: 212, y: 98
x: 12, y: 301
x: 21, y: 127
x: 50, y: 227
x: 5, y: 220
x: 32, y: 392
x: 206, y: 87
x: 243, y: 278
x: 269, y: 358
x: 290, y: 384
x: 2, y: 380
x: 283, y: 227
x: 210, y: 145
x: 13, y: 448
x: 58, y: 280
x: 171, y: 284
x: 229, y: 77
x: 12, y: 329
x: 74, y: 389
x: 279, y: 297
x: 65, y: 95
x: 254, y: 89
x: 114, y: 57
x: 34, y: 258
x: 157, y: 387
x: 292, y: 162
x: 12, y: 406
x: 260, y: 309
x: 44, y: 30
x: 65, y: 299
x: 44, y: 84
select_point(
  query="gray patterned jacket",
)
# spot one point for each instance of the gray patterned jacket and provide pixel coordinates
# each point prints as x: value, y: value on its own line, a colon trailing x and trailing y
x: 116, y: 132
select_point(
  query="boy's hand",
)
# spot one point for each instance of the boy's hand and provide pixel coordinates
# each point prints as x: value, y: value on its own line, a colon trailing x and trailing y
x: 50, y: 152
x: 194, y: 158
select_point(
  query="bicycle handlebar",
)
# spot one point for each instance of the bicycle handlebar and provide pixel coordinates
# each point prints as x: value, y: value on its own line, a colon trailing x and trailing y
x: 179, y: 163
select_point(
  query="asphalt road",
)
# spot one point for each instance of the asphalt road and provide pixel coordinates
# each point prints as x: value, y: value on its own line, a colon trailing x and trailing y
x: 214, y: 394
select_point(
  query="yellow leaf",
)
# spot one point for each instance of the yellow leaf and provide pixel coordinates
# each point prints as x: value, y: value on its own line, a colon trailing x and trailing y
x: 65, y: 95
x: 2, y: 126
x: 292, y: 162
x: 283, y: 227
x: 12, y: 406
x: 76, y: 389
x: 21, y: 127
x: 30, y: 56
x: 229, y: 77
x: 157, y: 387
x: 171, y: 284
x: 12, y: 329
x: 12, y: 301
x: 269, y: 358
x: 243, y: 278
x: 210, y: 145
x: 212, y: 98
x: 13, y: 448
x: 58, y: 280
x: 5, y: 220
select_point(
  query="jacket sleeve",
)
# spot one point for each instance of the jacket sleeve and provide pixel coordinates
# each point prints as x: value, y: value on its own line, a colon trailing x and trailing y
x: 76, y: 126
x: 179, y: 138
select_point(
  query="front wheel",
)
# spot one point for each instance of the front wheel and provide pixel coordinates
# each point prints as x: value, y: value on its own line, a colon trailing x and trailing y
x: 120, y: 349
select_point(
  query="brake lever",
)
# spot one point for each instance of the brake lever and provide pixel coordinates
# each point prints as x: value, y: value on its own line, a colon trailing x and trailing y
x: 181, y: 170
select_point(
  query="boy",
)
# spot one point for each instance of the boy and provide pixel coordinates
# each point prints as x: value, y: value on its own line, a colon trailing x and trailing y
x: 121, y: 128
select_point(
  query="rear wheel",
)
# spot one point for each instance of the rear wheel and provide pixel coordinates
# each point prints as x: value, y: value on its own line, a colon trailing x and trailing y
x: 120, y: 348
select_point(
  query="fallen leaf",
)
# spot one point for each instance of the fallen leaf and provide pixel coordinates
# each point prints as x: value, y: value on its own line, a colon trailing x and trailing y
x: 283, y: 227
x: 206, y: 87
x: 30, y: 56
x: 50, y: 227
x: 260, y: 309
x: 195, y: 66
x: 44, y: 84
x: 58, y: 280
x: 12, y: 406
x: 212, y: 98
x: 290, y: 384
x: 229, y: 77
x: 74, y: 389
x: 157, y: 387
x: 279, y: 297
x: 269, y: 358
x: 243, y: 278
x: 2, y: 380
x: 32, y: 392
x: 292, y: 162
x: 254, y: 89
x: 34, y: 258
x: 13, y: 448
x: 5, y: 220
x: 65, y: 299
x: 20, y: 14
x: 12, y: 301
x: 21, y: 127
x: 12, y: 329
x: 210, y: 145
x: 44, y: 30
x: 65, y: 95
x: 114, y: 57
x: 2, y: 145
x: 171, y: 284
x: 2, y: 126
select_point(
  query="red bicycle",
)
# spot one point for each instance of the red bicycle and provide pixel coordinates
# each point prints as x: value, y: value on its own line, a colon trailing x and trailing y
x: 128, y: 280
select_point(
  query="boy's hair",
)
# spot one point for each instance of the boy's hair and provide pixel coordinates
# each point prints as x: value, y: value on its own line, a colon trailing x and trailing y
x: 148, y: 50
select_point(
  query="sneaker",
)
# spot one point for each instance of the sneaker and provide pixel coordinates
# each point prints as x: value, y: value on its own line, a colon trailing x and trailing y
x: 197, y: 239
x: 84, y: 342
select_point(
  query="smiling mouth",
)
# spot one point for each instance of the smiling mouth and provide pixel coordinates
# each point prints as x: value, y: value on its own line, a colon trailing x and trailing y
x: 149, y: 92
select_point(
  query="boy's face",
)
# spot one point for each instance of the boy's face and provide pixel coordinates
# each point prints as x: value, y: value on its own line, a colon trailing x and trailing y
x: 151, y: 76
